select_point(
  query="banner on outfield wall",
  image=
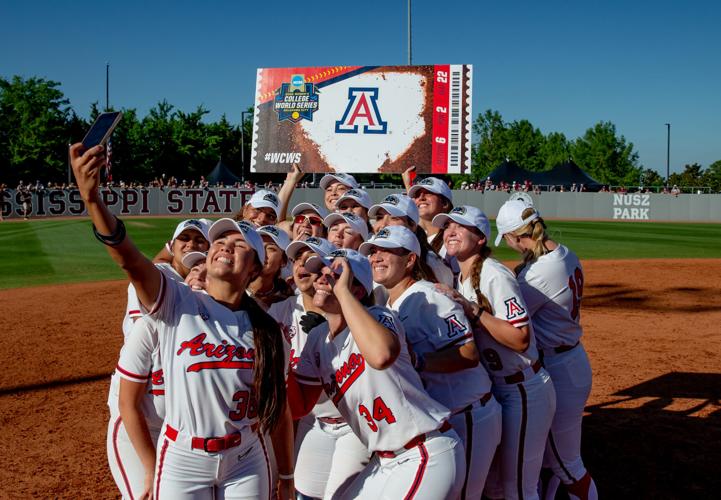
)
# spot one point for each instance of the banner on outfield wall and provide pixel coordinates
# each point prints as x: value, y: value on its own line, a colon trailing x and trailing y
x: 146, y: 201
x: 363, y: 119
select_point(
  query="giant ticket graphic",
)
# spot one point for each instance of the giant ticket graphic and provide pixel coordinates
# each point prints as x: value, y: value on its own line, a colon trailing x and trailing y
x: 363, y: 119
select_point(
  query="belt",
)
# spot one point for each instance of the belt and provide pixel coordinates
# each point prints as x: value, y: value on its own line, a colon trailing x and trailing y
x: 211, y: 444
x: 331, y: 420
x: 420, y: 438
x: 481, y: 402
x: 559, y: 349
x: 519, y: 377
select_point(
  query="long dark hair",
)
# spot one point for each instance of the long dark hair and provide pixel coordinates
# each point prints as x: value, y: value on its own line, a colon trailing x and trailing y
x: 269, y: 367
x: 425, y: 249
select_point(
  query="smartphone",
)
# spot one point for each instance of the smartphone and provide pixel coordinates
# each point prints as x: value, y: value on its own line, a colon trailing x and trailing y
x: 100, y: 131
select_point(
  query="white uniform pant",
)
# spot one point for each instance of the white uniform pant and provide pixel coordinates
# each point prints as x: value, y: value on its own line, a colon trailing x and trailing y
x: 571, y: 375
x: 528, y: 409
x: 480, y: 432
x: 125, y: 465
x: 242, y: 472
x: 432, y: 470
x: 328, y: 457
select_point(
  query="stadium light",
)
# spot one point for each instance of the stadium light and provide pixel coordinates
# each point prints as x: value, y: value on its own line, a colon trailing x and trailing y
x: 410, y: 51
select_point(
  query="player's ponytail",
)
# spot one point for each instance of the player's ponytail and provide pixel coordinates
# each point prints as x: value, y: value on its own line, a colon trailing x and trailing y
x: 484, y: 253
x: 425, y: 249
x: 536, y: 230
x: 269, y: 368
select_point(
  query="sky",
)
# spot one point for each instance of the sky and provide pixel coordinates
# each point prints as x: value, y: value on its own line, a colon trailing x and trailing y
x: 562, y: 65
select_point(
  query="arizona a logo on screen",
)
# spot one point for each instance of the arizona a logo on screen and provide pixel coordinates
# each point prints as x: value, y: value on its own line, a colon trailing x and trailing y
x: 361, y: 113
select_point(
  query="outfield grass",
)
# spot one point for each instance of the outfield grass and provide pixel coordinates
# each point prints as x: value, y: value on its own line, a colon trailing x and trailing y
x: 65, y: 251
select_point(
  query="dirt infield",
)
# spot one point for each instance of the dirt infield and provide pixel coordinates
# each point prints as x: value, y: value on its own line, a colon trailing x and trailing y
x: 652, y: 331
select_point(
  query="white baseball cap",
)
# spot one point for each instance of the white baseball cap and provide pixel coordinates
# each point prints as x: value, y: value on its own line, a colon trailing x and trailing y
x: 345, y: 179
x: 510, y: 217
x: 398, y: 205
x: 264, y: 198
x: 466, y: 215
x: 359, y: 264
x: 302, y: 207
x: 433, y: 185
x: 321, y: 246
x: 199, y: 225
x: 279, y: 236
x: 250, y: 235
x: 192, y: 258
x: 357, y: 224
x: 358, y: 195
x: 393, y: 237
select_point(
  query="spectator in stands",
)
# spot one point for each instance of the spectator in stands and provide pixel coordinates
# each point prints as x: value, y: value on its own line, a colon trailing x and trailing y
x: 675, y: 190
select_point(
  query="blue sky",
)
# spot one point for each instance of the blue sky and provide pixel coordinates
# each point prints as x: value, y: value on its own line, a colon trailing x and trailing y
x: 562, y: 65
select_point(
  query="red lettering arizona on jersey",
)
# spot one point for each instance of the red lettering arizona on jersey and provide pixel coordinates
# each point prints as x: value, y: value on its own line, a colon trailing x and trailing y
x: 385, y: 408
x: 208, y: 358
x: 499, y: 286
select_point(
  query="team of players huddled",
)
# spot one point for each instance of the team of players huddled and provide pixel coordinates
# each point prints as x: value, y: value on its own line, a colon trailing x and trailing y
x: 358, y: 351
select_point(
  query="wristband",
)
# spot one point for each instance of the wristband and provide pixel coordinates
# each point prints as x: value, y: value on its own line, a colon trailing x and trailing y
x: 285, y: 477
x: 114, y: 239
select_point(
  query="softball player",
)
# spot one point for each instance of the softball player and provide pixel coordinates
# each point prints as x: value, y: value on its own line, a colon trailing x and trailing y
x: 432, y: 196
x: 360, y: 360
x: 445, y: 354
x: 262, y: 209
x: 355, y: 200
x: 328, y: 454
x: 269, y: 288
x: 222, y: 358
x: 492, y: 297
x: 308, y: 221
x: 334, y: 186
x: 399, y: 209
x: 125, y: 465
x: 551, y: 280
x: 346, y: 230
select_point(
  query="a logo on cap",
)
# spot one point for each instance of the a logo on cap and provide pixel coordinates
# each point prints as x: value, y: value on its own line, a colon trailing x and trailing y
x: 312, y: 240
x: 244, y: 226
x: 459, y: 210
x: 271, y: 229
x: 353, y: 192
x: 271, y: 198
x: 194, y: 223
x: 383, y: 233
x: 351, y: 216
x: 387, y: 321
x: 338, y: 253
x: 428, y: 181
x: 391, y: 199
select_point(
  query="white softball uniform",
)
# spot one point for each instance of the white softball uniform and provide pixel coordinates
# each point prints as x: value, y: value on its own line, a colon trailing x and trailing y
x: 125, y: 465
x: 552, y: 286
x: 443, y: 273
x: 432, y: 323
x: 328, y: 455
x: 520, y: 384
x: 208, y: 357
x: 391, y: 414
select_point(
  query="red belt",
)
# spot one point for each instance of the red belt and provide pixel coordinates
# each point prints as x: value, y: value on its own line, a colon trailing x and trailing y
x: 484, y: 399
x: 519, y: 377
x: 420, y: 438
x: 332, y: 420
x: 211, y: 444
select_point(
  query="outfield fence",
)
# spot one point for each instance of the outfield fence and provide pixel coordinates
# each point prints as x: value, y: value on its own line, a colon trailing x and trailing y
x: 216, y: 202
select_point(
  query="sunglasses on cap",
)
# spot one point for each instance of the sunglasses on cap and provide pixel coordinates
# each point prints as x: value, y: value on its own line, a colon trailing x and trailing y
x: 312, y: 219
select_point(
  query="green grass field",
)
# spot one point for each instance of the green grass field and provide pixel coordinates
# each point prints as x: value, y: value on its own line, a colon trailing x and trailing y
x: 65, y: 251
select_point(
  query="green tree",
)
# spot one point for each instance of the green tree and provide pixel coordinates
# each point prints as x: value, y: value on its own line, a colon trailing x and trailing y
x: 649, y: 177
x: 34, y: 132
x: 605, y: 156
x: 490, y: 150
x: 693, y: 175
x: 712, y: 177
x: 555, y: 150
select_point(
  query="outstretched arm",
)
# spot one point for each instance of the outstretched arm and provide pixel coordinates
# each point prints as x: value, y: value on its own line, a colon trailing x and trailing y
x: 286, y: 190
x: 145, y: 277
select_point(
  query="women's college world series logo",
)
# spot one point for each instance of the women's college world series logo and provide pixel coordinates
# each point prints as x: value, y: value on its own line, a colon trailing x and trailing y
x: 296, y: 100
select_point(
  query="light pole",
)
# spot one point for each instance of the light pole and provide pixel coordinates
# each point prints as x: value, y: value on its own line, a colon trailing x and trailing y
x: 242, y: 142
x: 668, y: 151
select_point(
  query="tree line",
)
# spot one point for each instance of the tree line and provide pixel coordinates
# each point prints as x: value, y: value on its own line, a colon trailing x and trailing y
x: 37, y: 123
